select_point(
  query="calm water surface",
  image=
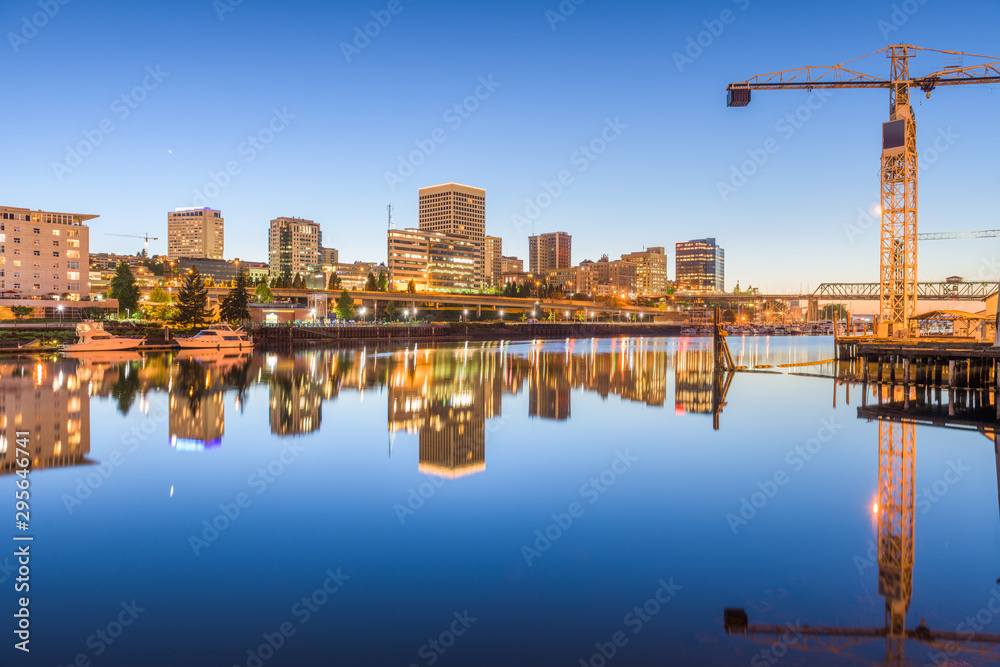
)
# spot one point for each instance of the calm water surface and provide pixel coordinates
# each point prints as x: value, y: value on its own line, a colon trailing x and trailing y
x: 549, y: 503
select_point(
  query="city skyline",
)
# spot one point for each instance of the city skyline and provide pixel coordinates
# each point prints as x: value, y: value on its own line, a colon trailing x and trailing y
x: 501, y: 123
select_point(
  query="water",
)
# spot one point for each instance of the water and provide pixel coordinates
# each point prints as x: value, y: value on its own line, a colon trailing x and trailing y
x: 481, y: 504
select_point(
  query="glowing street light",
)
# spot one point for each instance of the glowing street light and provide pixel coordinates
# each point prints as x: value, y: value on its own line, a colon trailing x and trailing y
x: 60, y: 308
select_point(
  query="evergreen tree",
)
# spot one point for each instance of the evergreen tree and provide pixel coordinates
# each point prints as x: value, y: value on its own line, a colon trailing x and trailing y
x: 335, y: 282
x: 345, y: 306
x: 235, y: 306
x: 411, y: 287
x: 390, y: 310
x: 298, y: 282
x: 383, y: 282
x: 263, y: 293
x: 192, y: 300
x: 124, y: 288
x: 371, y: 285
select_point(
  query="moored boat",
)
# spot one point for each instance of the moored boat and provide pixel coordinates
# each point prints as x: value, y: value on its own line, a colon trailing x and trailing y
x: 91, y: 337
x: 217, y: 336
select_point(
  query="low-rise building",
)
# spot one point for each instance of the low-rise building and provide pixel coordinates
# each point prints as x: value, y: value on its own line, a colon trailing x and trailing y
x: 43, y: 253
x: 434, y: 261
x: 651, y: 270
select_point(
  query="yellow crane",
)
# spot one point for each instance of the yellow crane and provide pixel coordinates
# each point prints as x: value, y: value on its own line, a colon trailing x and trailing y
x: 898, y: 256
x: 146, y: 237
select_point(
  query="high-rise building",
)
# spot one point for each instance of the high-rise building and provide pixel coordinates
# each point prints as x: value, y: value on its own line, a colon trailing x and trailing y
x: 44, y: 253
x: 457, y: 210
x: 549, y: 251
x: 293, y: 246
x: 434, y: 261
x: 195, y: 232
x: 651, y: 270
x: 700, y: 266
x: 492, y: 260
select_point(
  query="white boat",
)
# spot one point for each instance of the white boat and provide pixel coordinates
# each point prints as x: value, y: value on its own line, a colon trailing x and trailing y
x: 91, y: 337
x: 217, y: 336
x: 689, y: 331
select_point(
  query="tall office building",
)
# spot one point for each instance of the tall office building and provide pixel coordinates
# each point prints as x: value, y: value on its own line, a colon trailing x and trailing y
x: 700, y: 266
x: 651, y: 270
x: 44, y: 253
x: 493, y: 260
x: 195, y: 232
x: 549, y: 251
x: 293, y: 246
x: 457, y: 210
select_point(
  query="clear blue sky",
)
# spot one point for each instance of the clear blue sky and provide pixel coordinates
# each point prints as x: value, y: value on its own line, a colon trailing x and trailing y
x: 656, y: 184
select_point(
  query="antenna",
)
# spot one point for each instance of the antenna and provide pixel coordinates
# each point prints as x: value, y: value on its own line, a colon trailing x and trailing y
x: 391, y: 225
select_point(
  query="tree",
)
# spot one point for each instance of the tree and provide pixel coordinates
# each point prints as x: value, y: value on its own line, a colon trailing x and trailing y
x: 345, y: 306
x: 335, y: 282
x: 124, y: 288
x: 728, y: 316
x: 371, y: 284
x: 411, y: 287
x: 235, y: 306
x: 263, y: 293
x: 21, y: 312
x: 833, y: 311
x: 383, y: 283
x: 158, y: 296
x: 390, y: 310
x: 298, y: 282
x: 192, y: 300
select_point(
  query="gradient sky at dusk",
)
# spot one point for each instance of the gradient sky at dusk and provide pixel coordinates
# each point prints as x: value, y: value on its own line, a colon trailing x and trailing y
x: 656, y: 184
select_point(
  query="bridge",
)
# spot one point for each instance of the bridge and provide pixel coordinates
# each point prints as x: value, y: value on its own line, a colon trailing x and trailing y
x: 568, y: 309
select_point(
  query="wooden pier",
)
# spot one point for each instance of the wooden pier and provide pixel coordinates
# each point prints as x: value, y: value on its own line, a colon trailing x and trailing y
x: 953, y: 365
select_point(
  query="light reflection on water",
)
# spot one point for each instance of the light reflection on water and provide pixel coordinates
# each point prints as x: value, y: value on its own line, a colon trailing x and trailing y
x: 426, y: 473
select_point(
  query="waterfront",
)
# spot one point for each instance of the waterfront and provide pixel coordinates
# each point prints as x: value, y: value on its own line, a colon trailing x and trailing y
x: 484, y: 503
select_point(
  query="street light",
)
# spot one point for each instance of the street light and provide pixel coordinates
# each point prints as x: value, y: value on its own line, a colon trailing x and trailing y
x: 59, y: 308
x: 363, y: 311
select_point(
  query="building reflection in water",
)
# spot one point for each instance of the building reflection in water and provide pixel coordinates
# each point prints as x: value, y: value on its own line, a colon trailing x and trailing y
x: 445, y: 395
x: 49, y: 400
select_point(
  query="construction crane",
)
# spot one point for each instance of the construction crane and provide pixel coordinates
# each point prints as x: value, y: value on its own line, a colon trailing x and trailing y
x: 898, y: 256
x: 147, y: 238
x: 943, y: 236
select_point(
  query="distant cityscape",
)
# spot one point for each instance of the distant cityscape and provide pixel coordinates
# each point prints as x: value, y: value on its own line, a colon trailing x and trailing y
x: 46, y: 254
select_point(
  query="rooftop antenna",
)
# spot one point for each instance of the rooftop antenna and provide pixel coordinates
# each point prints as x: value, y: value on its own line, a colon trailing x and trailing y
x: 391, y: 225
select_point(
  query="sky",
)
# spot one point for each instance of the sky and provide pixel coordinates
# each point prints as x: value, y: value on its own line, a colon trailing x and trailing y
x: 606, y: 120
